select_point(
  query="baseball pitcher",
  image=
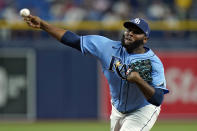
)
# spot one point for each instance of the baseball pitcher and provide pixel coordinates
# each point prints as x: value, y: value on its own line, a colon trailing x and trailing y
x: 134, y: 73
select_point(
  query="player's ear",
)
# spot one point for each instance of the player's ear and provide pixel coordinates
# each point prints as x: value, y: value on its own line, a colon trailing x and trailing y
x: 145, y: 39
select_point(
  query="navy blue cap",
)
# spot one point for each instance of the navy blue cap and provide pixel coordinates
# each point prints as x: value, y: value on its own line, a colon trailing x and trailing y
x: 140, y: 23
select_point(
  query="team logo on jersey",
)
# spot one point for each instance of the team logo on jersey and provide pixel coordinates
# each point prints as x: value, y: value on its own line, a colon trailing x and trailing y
x: 117, y: 65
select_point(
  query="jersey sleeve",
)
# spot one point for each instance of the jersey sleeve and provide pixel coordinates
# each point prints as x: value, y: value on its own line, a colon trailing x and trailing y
x: 94, y: 45
x: 158, y: 76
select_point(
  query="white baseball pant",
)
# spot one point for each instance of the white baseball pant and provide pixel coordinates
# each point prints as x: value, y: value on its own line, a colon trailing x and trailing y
x: 142, y: 119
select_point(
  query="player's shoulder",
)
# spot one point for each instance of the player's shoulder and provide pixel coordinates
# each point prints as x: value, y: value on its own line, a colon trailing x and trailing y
x: 97, y: 37
x: 155, y: 60
x: 154, y: 56
x: 100, y: 40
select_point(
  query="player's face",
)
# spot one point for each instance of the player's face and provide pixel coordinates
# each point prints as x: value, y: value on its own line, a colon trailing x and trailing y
x: 132, y: 34
x: 133, y: 38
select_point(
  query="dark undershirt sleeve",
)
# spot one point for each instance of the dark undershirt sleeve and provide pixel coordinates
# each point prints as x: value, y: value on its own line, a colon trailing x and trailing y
x: 71, y: 39
x: 157, y: 98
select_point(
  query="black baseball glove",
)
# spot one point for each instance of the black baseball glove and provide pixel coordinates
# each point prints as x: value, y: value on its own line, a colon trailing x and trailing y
x: 143, y: 67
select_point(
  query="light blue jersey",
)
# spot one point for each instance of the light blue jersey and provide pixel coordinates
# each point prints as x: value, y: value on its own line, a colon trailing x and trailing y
x: 125, y: 96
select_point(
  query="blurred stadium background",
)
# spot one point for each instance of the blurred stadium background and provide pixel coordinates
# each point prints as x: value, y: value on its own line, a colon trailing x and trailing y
x: 45, y: 85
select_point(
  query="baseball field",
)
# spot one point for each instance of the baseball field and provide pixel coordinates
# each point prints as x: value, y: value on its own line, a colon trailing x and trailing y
x: 90, y: 126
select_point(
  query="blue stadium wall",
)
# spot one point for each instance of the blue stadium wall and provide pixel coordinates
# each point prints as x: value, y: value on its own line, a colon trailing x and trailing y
x: 66, y: 85
x: 66, y: 80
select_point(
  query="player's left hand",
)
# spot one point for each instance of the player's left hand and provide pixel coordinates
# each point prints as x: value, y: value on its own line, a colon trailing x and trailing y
x: 133, y: 77
x: 142, y: 69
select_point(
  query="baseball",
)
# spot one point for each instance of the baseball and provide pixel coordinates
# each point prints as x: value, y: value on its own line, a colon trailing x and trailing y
x: 24, y: 12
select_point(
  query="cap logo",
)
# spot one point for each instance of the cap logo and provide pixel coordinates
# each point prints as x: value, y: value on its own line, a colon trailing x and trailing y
x: 146, y: 32
x: 137, y: 20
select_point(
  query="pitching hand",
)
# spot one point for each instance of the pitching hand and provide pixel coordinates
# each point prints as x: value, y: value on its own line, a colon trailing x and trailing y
x: 33, y: 21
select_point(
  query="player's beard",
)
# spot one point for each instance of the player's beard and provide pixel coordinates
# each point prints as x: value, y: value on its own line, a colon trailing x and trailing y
x: 132, y: 45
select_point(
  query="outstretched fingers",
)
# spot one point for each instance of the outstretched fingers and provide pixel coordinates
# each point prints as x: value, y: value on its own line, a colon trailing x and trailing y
x: 29, y: 23
x: 32, y: 21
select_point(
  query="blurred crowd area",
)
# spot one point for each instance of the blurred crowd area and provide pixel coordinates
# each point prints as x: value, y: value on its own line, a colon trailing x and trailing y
x: 104, y: 11
x: 100, y: 10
